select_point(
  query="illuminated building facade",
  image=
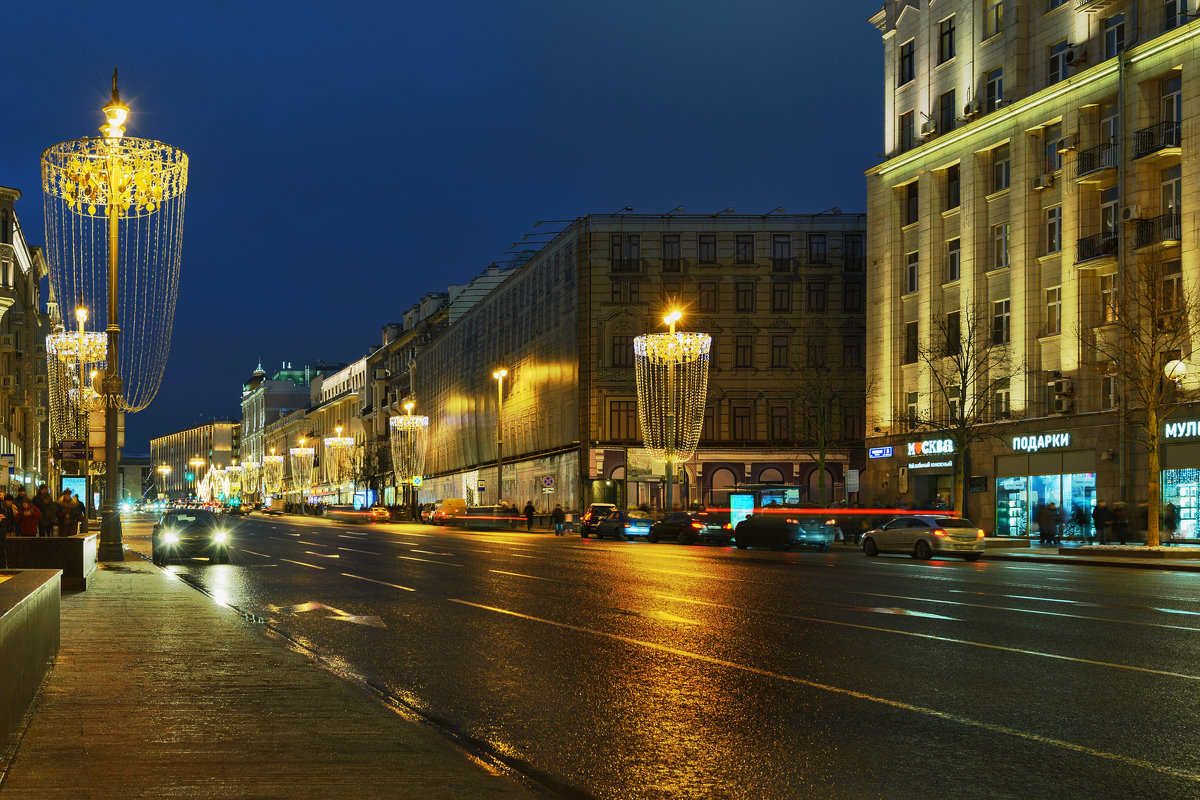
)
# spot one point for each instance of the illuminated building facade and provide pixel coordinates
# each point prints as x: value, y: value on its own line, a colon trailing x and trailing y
x: 215, y: 442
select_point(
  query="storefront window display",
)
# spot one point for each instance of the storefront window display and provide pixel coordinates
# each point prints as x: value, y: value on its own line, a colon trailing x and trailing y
x: 1182, y: 488
x: 1019, y: 498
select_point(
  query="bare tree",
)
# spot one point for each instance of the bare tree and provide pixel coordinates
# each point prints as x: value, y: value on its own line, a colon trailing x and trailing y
x: 967, y: 363
x: 1145, y: 331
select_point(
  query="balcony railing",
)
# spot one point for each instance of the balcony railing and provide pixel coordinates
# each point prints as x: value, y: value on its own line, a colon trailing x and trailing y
x: 1155, y: 138
x: 1094, y: 159
x: 781, y: 265
x: 1157, y: 230
x: 1098, y: 246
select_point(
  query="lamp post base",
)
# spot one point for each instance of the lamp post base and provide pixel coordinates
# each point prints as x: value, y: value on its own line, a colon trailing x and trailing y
x: 111, y: 548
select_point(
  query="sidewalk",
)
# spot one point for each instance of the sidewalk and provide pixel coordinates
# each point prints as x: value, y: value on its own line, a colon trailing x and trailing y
x: 158, y: 691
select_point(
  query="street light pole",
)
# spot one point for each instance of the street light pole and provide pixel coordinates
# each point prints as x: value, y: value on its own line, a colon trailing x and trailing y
x: 499, y: 376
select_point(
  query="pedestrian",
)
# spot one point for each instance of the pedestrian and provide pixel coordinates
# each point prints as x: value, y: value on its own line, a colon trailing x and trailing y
x: 8, y: 516
x: 559, y: 518
x: 1058, y: 526
x: 1101, y: 517
x: 1120, y: 522
x: 1079, y: 520
x: 1170, y: 523
x: 64, y: 515
x: 529, y: 512
x: 45, y: 504
x: 28, y: 518
x: 1046, y: 520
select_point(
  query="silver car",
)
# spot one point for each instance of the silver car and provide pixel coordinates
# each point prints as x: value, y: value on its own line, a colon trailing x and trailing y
x: 923, y: 535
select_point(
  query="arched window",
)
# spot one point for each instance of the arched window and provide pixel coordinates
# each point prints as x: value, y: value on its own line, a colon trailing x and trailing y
x: 814, y: 490
x: 721, y: 483
x: 770, y: 475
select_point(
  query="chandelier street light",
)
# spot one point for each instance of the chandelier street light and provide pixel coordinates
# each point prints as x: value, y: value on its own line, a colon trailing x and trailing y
x: 499, y: 375
x: 302, y: 466
x: 672, y: 382
x: 164, y: 471
x: 114, y: 226
x: 409, y: 437
x: 272, y: 473
x: 338, y: 452
x: 196, y: 463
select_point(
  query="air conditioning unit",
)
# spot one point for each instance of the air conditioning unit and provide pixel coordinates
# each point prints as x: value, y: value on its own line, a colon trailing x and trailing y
x: 1063, y: 405
x: 1063, y: 386
x: 1130, y: 214
x: 970, y: 109
x: 928, y: 128
x: 1075, y: 56
x: 1065, y: 145
x: 1043, y: 181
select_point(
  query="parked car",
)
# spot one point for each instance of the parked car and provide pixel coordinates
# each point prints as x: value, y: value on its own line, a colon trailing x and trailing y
x: 782, y: 532
x: 688, y: 528
x: 445, y: 512
x: 623, y: 525
x: 189, y: 533
x: 595, y: 513
x: 924, y: 535
x: 380, y: 514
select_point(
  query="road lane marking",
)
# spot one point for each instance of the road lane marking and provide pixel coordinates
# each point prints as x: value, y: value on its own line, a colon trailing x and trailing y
x: 933, y: 637
x: 931, y: 712
x: 313, y: 544
x: 301, y: 563
x: 430, y: 561
x: 1120, y: 606
x: 253, y: 553
x: 321, y: 555
x: 432, y: 553
x: 356, y: 537
x: 381, y: 583
x: 531, y: 577
x: 1034, y: 611
x: 352, y: 550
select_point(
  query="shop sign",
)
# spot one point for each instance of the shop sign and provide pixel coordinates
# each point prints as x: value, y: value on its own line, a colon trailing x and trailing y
x: 1182, y: 430
x: 880, y: 452
x: 1032, y: 444
x: 929, y: 464
x: 931, y: 447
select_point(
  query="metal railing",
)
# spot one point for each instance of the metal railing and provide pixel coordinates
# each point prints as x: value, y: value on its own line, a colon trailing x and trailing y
x: 1097, y: 246
x: 1156, y: 137
x: 1102, y: 156
x: 1156, y: 230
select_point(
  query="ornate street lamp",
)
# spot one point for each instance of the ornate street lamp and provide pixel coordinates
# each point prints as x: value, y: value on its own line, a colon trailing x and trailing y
x: 250, y: 473
x: 272, y: 473
x: 196, y: 463
x: 499, y: 375
x: 672, y: 382
x: 164, y: 470
x: 339, y: 453
x: 409, y: 437
x: 302, y: 467
x: 114, y: 229
x: 233, y: 481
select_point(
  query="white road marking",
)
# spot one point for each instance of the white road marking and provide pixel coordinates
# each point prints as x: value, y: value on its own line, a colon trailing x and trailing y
x: 430, y: 561
x: 931, y: 712
x: 531, y: 577
x: 432, y: 553
x: 253, y: 553
x: 352, y: 550
x: 301, y: 563
x: 322, y: 555
x: 381, y: 583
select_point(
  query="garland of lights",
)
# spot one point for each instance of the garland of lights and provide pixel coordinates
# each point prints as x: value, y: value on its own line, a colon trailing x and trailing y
x: 672, y: 384
x: 409, y: 439
x: 233, y: 481
x: 302, y: 465
x: 84, y: 347
x: 272, y: 473
x: 250, y: 472
x: 338, y: 456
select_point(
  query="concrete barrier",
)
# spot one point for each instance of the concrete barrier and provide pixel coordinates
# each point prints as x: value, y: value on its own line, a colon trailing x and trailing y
x: 75, y: 556
x: 29, y: 641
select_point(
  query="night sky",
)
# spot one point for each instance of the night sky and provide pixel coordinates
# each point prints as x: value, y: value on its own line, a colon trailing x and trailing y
x: 347, y: 158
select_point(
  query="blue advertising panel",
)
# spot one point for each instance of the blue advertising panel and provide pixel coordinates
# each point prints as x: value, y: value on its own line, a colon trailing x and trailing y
x: 740, y: 507
x: 880, y: 452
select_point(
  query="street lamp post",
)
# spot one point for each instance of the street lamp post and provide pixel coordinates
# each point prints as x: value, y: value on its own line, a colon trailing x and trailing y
x: 196, y: 463
x: 408, y: 437
x: 164, y: 470
x: 499, y: 375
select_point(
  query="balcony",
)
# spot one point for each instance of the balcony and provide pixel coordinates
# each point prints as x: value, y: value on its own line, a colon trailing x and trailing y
x: 1096, y: 251
x: 1157, y: 232
x: 1094, y: 6
x: 1097, y: 164
x: 1162, y: 139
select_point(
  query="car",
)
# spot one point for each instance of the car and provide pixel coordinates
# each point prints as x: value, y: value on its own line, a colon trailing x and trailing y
x: 688, y: 528
x: 925, y: 535
x: 348, y: 514
x: 783, y: 532
x: 380, y: 514
x: 595, y: 513
x: 189, y: 533
x: 238, y: 511
x: 623, y: 524
x: 446, y: 511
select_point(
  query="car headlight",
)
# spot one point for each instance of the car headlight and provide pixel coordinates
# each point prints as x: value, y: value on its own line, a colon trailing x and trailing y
x: 171, y: 537
x: 221, y: 537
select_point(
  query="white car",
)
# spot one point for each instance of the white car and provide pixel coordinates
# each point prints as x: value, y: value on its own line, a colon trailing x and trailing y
x: 923, y: 535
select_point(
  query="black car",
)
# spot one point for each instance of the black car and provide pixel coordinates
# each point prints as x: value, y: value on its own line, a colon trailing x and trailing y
x: 623, y: 524
x: 690, y: 528
x: 595, y: 514
x: 190, y: 533
x: 782, y: 532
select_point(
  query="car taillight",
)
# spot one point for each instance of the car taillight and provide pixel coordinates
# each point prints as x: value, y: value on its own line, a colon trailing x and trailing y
x: 979, y: 534
x: 831, y: 522
x: 727, y: 526
x: 939, y: 532
x: 697, y: 525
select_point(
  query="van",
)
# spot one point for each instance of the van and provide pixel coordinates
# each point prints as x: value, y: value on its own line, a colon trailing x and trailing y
x: 448, y: 511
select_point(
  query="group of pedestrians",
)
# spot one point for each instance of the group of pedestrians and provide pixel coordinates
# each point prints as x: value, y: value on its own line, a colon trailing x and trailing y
x: 40, y: 515
x: 1110, y: 523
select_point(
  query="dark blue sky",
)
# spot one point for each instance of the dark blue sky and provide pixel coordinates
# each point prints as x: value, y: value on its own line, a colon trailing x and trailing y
x: 348, y: 157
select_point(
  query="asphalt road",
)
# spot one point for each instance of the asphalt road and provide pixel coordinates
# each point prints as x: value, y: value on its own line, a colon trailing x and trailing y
x: 630, y: 670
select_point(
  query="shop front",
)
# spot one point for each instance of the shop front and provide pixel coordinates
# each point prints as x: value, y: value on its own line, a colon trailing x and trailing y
x: 928, y: 474
x: 1040, y: 469
x: 1180, y: 477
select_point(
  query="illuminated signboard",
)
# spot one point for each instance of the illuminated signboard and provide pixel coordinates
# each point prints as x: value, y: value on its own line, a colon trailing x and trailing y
x: 1182, y: 430
x: 740, y: 507
x: 931, y: 447
x: 1032, y: 444
x: 880, y: 452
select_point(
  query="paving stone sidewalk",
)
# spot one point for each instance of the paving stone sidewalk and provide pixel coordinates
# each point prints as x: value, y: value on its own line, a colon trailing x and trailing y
x: 159, y: 691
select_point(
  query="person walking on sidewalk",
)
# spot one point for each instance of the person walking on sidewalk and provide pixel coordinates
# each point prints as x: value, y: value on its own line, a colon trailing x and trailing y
x: 1047, y: 518
x: 1170, y: 523
x: 65, y: 515
x: 45, y: 504
x: 559, y: 518
x: 1101, y: 518
x: 1120, y: 522
x: 529, y: 512
x: 28, y: 518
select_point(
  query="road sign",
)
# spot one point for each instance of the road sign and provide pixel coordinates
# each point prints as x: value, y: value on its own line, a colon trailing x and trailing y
x: 417, y: 480
x: 73, y: 449
x: 547, y: 490
x: 548, y: 482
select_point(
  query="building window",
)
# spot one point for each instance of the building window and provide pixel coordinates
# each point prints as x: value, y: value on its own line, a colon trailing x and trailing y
x: 779, y: 423
x: 911, y: 198
x: 946, y: 112
x: 945, y: 40
x: 953, y: 334
x: 1051, y: 136
x: 1109, y: 397
x: 744, y: 244
x: 953, y: 260
x: 953, y: 187
x: 853, y: 296
x: 707, y: 248
x: 621, y: 350
x: 1001, y: 401
x: 671, y: 258
x: 1056, y: 69
x: 1053, y: 4
x: 1001, y: 317
x: 911, y: 272
x: 852, y: 351
x: 1108, y: 298
x: 954, y: 402
x: 853, y: 423
x: 910, y: 407
x: 1175, y: 13
x: 635, y: 292
x: 1172, y: 286
x: 853, y: 253
x: 625, y: 252
x: 1114, y: 35
x: 670, y: 293
x: 1054, y: 311
x: 781, y: 252
x: 709, y: 432
x: 616, y: 292
x: 622, y: 420
x: 993, y: 18
x: 708, y: 297
x: 745, y: 297
x: 994, y: 89
x: 1053, y: 229
x: 818, y: 249
x: 907, y: 131
x: 910, y: 343
x: 1000, y: 168
x: 905, y: 67
x: 1000, y: 246
x: 818, y: 293
x: 814, y: 354
x: 743, y: 352
x: 779, y: 352
x: 781, y: 297
x: 741, y: 423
